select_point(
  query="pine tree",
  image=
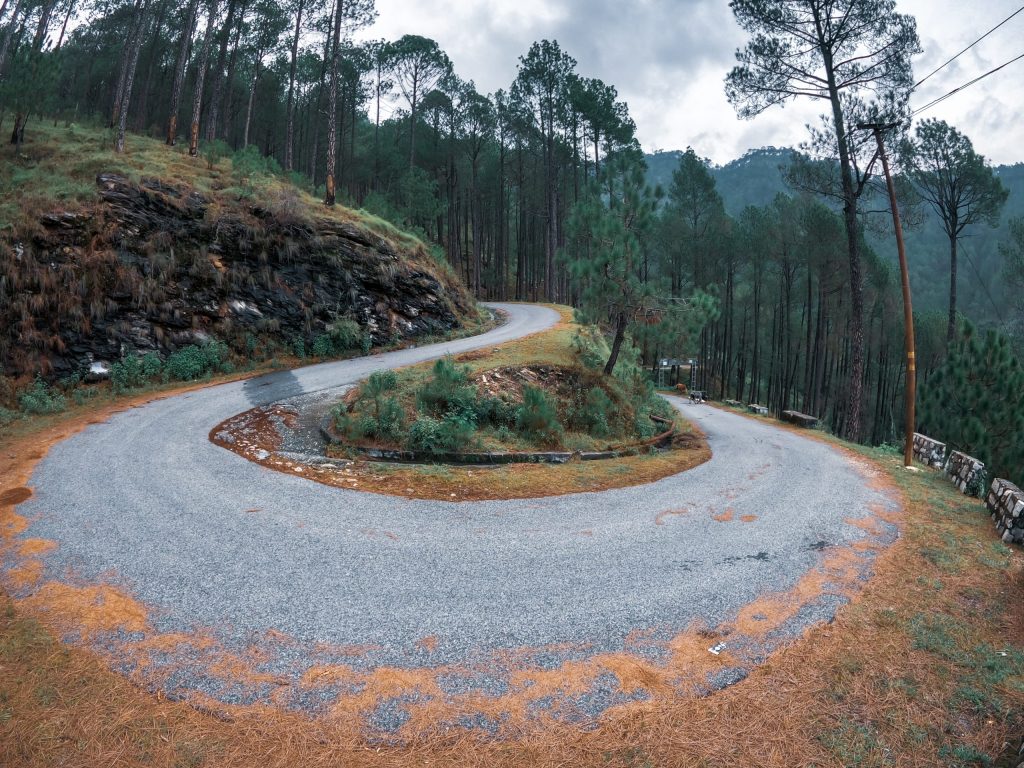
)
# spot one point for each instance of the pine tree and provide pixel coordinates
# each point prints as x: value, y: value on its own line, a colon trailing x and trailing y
x: 608, y: 264
x: 975, y: 403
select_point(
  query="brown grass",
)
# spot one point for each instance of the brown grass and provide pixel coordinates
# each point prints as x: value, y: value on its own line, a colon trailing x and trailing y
x: 911, y: 673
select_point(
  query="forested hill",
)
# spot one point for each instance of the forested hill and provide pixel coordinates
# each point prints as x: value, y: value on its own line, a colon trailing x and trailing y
x: 756, y: 178
x: 753, y: 179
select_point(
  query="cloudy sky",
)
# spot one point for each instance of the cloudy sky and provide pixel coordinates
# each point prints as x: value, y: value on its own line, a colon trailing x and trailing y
x: 668, y: 59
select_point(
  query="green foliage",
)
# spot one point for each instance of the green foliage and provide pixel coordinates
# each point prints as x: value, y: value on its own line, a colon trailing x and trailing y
x: 248, y: 165
x: 975, y: 403
x: 537, y: 418
x: 7, y: 416
x: 592, y: 415
x: 197, y: 362
x: 447, y: 391
x: 495, y: 412
x: 82, y: 395
x: 343, y: 336
x: 41, y: 399
x: 214, y: 152
x: 448, y: 435
x: 590, y: 346
x: 134, y: 371
x: 391, y: 419
x: 379, y: 383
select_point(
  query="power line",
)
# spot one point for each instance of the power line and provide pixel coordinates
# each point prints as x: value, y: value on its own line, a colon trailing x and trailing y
x: 965, y: 50
x: 956, y: 90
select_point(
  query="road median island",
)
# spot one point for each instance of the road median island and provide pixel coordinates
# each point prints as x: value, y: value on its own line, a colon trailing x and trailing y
x: 529, y: 418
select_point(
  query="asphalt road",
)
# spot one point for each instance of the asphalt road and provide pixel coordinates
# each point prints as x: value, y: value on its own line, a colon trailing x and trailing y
x: 146, y: 502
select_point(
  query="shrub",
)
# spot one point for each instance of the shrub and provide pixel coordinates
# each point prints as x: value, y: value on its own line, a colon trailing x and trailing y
x: 134, y: 372
x: 495, y: 411
x: 536, y: 418
x: 643, y: 426
x: 323, y: 346
x: 214, y: 152
x: 390, y: 420
x: 342, y: 336
x: 346, y: 334
x: 7, y: 416
x: 82, y: 395
x: 248, y: 164
x: 448, y: 435
x: 447, y: 391
x: 590, y: 347
x: 592, y: 414
x: 298, y: 346
x: 195, y: 362
x: 455, y: 432
x: 41, y: 399
x: 379, y: 383
x: 423, y: 435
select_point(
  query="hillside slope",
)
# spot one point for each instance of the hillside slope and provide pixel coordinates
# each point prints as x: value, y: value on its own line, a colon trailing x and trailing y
x: 104, y: 256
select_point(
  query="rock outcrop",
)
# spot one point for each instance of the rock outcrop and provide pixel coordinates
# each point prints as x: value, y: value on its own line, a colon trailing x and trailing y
x: 153, y: 267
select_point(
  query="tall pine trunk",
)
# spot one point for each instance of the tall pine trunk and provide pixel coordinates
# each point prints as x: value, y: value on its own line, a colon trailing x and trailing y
x: 289, y: 133
x: 332, y: 102
x: 134, y: 46
x: 184, y: 46
x: 951, y: 325
x: 197, y: 96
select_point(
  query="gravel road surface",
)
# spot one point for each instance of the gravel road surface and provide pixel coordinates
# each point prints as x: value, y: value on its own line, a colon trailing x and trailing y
x: 211, y: 542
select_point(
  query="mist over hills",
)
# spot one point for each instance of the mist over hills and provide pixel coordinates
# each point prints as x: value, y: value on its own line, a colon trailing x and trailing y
x: 756, y: 177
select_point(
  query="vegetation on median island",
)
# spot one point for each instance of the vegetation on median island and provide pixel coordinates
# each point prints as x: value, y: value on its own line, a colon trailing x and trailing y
x: 448, y: 407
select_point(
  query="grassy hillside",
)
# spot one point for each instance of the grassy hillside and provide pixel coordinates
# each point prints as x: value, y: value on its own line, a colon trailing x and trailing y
x: 105, y: 256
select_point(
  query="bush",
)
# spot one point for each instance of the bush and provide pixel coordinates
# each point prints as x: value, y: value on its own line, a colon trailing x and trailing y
x: 455, y: 432
x: 214, y: 152
x: 592, y: 415
x: 323, y: 346
x: 387, y: 423
x: 82, y: 395
x: 537, y: 419
x: 379, y: 383
x: 448, y: 435
x: 447, y: 391
x: 134, y: 372
x: 423, y: 435
x: 495, y: 412
x: 41, y: 399
x: 390, y: 420
x: 195, y: 362
x: 343, y: 336
x: 644, y: 427
x: 590, y: 347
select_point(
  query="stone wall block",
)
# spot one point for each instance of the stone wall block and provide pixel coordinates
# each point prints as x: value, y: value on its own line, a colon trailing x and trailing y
x: 1006, y: 503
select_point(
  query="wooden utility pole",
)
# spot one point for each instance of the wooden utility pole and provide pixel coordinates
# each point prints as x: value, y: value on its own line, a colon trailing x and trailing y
x: 908, y: 311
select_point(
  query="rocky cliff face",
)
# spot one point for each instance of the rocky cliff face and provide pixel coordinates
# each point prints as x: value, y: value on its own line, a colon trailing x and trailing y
x: 152, y: 267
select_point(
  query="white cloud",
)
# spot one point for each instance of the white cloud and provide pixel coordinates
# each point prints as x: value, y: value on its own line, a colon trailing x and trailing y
x: 668, y: 59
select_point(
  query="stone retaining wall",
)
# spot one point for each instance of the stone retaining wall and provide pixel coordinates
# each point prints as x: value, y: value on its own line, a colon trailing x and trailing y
x: 929, y: 452
x: 964, y: 470
x: 661, y: 440
x: 1006, y: 503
